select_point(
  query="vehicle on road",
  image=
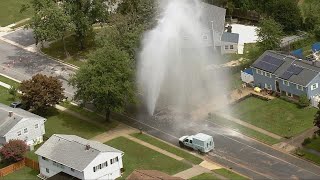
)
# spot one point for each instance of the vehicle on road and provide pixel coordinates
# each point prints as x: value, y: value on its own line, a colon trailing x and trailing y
x: 200, y: 142
x: 16, y: 105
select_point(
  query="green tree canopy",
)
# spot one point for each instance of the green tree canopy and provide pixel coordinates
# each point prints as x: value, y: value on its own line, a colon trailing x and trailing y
x: 269, y: 35
x: 107, y: 80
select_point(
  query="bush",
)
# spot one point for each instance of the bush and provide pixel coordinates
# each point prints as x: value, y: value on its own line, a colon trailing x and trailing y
x: 317, y: 32
x: 306, y: 141
x: 299, y: 152
x: 304, y: 101
x: 13, y: 151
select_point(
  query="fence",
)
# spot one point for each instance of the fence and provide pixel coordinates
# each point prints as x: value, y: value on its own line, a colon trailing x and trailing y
x: 18, y: 165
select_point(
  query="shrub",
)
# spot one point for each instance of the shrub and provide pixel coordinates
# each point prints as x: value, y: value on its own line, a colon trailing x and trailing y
x: 13, y: 151
x: 304, y: 101
x: 306, y: 141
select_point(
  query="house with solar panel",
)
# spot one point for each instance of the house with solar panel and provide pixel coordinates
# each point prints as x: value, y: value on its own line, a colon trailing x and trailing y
x: 287, y: 75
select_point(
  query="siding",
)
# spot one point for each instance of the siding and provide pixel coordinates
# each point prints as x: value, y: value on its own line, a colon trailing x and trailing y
x: 292, y: 88
x: 314, y: 92
x: 261, y: 80
x: 229, y: 51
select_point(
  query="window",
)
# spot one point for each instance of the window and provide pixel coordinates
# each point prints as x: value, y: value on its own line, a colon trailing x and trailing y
x: 191, y: 141
x: 259, y: 72
x: 100, y: 166
x: 106, y: 163
x: 19, y: 133
x: 300, y: 87
x: 286, y: 83
x: 47, y: 170
x: 94, y: 169
x: 111, y: 161
x: 36, y: 126
x: 314, y: 86
x: 117, y: 159
x: 231, y: 46
x: 72, y: 169
x: 267, y: 74
x: 25, y: 130
x: 267, y: 86
x: 288, y: 94
x: 226, y: 47
x: 205, y: 37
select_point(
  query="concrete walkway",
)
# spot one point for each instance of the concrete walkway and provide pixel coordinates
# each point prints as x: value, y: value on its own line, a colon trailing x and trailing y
x: 194, y: 171
x: 238, y: 121
x: 120, y: 130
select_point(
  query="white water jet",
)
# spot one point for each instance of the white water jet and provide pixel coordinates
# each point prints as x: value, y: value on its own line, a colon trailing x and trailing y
x: 173, y: 60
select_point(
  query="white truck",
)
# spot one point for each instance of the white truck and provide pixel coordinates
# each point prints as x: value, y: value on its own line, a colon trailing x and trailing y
x: 201, y: 142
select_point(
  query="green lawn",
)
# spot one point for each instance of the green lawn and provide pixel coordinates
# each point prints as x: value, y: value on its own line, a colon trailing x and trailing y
x: 77, y: 56
x: 187, y: 156
x: 244, y: 130
x: 59, y: 122
x: 25, y: 173
x: 315, y: 144
x: 235, y: 81
x: 277, y: 116
x: 229, y: 174
x: 31, y: 154
x: 309, y: 156
x: 9, y: 81
x: 10, y: 11
x: 137, y: 156
x: 5, y: 97
x: 205, y: 176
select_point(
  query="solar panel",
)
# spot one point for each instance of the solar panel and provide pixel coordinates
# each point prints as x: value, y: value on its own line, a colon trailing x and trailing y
x: 266, y: 66
x: 286, y: 75
x: 295, y: 69
x: 272, y: 60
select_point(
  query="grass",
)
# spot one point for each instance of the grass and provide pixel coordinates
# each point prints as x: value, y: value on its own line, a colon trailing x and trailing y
x: 25, y: 173
x: 77, y: 56
x: 235, y: 81
x: 309, y: 156
x: 277, y: 116
x: 305, y: 44
x: 5, y: 97
x: 205, y: 176
x: 137, y: 156
x: 187, y: 156
x: 59, y: 122
x: 10, y: 11
x: 229, y: 174
x: 31, y: 154
x: 244, y: 130
x: 9, y: 81
x: 315, y: 144
x: 21, y: 24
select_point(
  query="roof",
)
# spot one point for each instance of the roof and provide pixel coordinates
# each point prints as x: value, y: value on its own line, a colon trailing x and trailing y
x: 215, y: 14
x: 290, y: 68
x: 7, y: 122
x: 202, y: 137
x: 70, y: 150
x: 151, y: 175
x: 62, y: 176
x: 230, y: 37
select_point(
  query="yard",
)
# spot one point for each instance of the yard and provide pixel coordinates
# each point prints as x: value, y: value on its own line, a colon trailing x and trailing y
x: 277, y: 116
x: 229, y: 174
x: 24, y: 173
x: 193, y: 159
x: 205, y: 176
x: 10, y: 11
x: 5, y: 97
x: 137, y: 156
x: 9, y: 81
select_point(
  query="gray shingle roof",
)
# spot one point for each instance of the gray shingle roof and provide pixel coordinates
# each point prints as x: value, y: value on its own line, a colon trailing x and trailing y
x: 6, y: 122
x: 215, y: 14
x: 70, y: 151
x: 309, y: 72
x: 230, y: 37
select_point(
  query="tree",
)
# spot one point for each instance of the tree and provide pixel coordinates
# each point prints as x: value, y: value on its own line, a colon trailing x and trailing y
x: 13, y: 91
x: 41, y: 92
x: 13, y: 151
x: 230, y: 8
x: 269, y: 35
x: 50, y: 22
x: 316, y: 121
x: 304, y: 101
x: 107, y: 80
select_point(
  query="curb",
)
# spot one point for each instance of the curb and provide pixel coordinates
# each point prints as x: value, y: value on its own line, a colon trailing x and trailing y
x: 57, y: 60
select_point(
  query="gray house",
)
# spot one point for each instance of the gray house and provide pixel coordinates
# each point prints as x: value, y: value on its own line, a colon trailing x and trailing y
x: 287, y: 75
x: 16, y: 123
x: 230, y: 43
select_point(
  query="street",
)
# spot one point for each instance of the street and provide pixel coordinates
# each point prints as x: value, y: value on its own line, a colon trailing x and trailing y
x: 233, y: 150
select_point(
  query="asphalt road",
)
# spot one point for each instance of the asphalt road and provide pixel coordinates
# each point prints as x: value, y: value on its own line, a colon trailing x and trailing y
x: 242, y: 154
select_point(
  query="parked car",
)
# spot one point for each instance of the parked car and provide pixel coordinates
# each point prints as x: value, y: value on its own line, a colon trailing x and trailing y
x: 201, y: 142
x: 16, y: 105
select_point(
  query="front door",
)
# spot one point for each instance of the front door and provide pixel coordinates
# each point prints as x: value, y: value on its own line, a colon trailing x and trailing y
x: 277, y: 86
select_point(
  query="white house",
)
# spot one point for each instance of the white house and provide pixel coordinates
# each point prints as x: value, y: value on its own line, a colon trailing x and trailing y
x: 229, y: 43
x: 16, y: 123
x: 79, y: 158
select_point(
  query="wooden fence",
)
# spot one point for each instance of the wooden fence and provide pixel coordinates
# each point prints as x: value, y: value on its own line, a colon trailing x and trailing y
x: 18, y: 165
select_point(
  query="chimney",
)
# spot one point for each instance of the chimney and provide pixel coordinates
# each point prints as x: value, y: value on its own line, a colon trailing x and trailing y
x: 87, y: 147
x: 10, y: 113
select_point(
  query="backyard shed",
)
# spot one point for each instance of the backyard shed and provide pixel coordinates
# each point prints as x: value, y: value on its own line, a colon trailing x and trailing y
x: 247, y: 75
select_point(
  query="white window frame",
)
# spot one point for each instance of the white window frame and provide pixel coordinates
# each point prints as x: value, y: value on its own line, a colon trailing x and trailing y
x: 268, y: 74
x: 36, y: 126
x: 226, y: 47
x: 286, y: 83
x: 316, y: 86
x: 259, y: 71
x: 231, y: 47
x: 267, y: 86
x: 25, y: 130
x: 205, y: 37
x: 299, y: 87
x: 47, y: 170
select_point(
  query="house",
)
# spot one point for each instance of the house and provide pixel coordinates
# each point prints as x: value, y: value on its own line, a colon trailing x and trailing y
x: 70, y: 155
x: 150, y: 175
x: 16, y: 123
x: 213, y: 18
x: 287, y: 75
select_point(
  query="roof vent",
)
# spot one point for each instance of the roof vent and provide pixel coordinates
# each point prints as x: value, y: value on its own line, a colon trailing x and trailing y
x: 10, y: 113
x: 87, y: 147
